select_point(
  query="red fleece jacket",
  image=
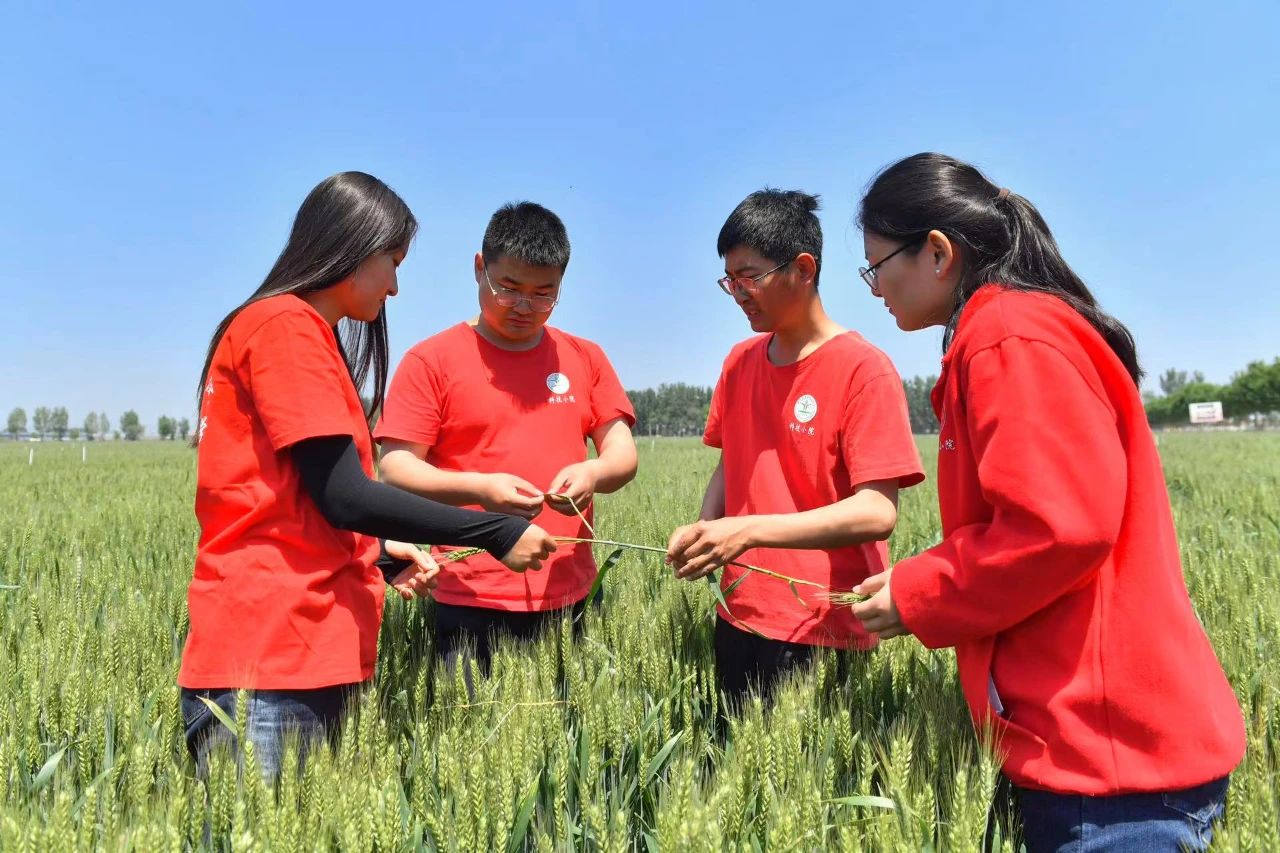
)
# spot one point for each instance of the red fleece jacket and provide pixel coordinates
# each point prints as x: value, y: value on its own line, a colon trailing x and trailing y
x: 1058, y: 579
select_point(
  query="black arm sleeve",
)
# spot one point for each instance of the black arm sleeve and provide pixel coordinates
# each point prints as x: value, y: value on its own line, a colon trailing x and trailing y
x: 349, y: 500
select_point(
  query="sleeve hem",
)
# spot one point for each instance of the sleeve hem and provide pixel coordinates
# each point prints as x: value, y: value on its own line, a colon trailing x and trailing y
x: 504, y: 545
x: 909, y: 597
x: 319, y: 429
x: 616, y: 414
x: 907, y: 474
x: 382, y: 434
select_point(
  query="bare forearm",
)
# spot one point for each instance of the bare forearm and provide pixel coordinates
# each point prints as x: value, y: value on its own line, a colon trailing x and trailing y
x: 713, y: 499
x: 615, y: 467
x: 616, y: 460
x: 404, y: 470
x: 867, y: 516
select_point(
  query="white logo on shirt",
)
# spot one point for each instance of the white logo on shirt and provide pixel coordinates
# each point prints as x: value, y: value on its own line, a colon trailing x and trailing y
x: 558, y: 383
x: 806, y: 409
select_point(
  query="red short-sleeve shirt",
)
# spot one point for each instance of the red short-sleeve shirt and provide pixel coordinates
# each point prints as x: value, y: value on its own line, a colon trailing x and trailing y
x: 798, y: 437
x: 482, y: 408
x: 280, y: 599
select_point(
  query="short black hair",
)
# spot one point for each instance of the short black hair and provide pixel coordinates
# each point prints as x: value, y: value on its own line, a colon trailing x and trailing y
x: 527, y: 232
x: 779, y: 224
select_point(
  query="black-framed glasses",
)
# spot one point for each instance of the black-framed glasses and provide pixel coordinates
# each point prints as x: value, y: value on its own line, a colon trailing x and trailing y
x: 746, y: 284
x: 869, y: 273
x: 508, y: 298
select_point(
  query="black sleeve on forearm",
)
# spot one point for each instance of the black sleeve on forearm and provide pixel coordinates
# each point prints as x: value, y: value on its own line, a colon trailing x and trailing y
x: 349, y: 500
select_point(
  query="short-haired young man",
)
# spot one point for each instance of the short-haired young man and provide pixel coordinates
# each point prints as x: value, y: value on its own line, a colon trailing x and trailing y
x: 815, y: 441
x: 495, y: 412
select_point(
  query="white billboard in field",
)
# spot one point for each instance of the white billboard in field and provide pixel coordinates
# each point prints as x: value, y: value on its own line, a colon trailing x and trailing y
x: 1206, y: 413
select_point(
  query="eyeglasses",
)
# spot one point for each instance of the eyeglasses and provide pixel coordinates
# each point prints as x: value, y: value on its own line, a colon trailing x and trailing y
x: 745, y: 284
x: 508, y: 298
x: 869, y: 273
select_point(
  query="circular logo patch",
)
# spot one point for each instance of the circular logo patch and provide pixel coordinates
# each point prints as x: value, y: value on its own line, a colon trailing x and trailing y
x: 806, y: 409
x: 558, y: 383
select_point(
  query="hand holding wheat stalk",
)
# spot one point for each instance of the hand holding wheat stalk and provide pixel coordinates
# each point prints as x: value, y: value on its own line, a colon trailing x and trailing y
x: 842, y: 598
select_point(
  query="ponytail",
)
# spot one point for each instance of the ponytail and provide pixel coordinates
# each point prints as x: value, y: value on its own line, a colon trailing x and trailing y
x: 1001, y: 236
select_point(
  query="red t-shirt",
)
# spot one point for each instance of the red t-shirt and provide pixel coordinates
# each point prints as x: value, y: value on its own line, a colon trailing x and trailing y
x: 1058, y: 578
x: 482, y: 408
x: 798, y: 437
x: 280, y: 599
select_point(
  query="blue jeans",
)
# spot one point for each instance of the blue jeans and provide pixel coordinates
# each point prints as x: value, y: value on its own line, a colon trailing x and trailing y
x: 273, y: 717
x: 1169, y: 821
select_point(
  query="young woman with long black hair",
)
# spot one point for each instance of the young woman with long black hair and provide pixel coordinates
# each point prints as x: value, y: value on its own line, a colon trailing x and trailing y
x: 1058, y: 579
x: 287, y: 594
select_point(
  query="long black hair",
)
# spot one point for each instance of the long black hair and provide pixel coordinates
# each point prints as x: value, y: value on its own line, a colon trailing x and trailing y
x: 1001, y: 236
x: 348, y: 217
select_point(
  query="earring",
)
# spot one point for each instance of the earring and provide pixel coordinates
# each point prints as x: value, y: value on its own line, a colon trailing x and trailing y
x: 938, y: 271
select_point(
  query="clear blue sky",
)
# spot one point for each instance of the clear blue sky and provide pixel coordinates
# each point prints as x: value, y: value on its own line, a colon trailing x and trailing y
x: 154, y: 157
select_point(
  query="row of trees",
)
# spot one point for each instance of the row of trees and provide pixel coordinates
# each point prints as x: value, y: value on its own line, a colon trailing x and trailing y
x: 54, y: 423
x: 170, y: 428
x: 677, y: 409
x: 919, y: 404
x: 681, y: 409
x: 1253, y: 391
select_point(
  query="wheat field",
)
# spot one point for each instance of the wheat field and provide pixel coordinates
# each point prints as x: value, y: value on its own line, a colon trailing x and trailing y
x: 611, y: 741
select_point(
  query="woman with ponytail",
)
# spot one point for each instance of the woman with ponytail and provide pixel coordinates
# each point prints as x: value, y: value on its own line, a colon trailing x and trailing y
x: 287, y: 594
x: 1058, y: 579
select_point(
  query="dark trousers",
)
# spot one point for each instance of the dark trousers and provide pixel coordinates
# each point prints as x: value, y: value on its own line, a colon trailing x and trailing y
x: 468, y: 634
x: 1161, y: 821
x: 746, y: 663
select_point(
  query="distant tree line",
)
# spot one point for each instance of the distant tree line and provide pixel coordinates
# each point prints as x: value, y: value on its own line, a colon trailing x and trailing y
x: 54, y: 424
x: 1252, y: 393
x: 681, y: 409
x: 676, y: 409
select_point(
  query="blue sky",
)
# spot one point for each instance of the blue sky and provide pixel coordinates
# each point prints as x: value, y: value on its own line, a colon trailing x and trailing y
x: 154, y: 157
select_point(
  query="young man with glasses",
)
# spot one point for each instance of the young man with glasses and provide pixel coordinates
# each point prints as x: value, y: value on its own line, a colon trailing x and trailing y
x: 815, y: 441
x: 494, y: 413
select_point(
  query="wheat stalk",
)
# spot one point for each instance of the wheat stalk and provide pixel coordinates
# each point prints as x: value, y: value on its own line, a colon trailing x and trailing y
x: 837, y: 597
